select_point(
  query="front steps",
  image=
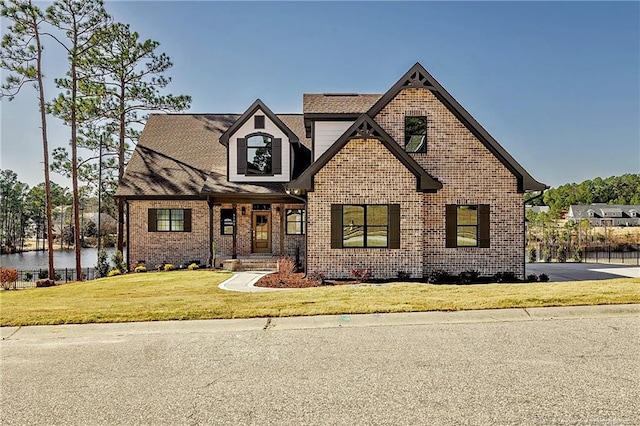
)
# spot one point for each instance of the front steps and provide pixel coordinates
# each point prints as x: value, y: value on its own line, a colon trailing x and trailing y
x: 254, y: 263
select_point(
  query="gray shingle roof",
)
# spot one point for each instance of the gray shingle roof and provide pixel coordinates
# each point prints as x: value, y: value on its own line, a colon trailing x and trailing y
x: 338, y: 103
x: 577, y: 211
x: 179, y: 153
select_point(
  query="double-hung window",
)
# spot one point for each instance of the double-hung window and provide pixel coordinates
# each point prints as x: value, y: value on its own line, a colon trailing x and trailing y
x: 295, y: 221
x: 169, y: 220
x: 467, y: 225
x: 415, y: 134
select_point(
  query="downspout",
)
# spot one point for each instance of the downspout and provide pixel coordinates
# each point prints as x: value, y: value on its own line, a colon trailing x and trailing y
x: 524, y: 231
x: 211, y: 261
x: 306, y: 228
x: 126, y: 203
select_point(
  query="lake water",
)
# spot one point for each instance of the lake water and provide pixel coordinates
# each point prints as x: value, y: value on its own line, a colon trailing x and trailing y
x: 34, y: 260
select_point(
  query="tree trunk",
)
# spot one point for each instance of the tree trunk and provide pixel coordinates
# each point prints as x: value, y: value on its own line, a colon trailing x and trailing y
x: 74, y: 165
x: 121, y: 152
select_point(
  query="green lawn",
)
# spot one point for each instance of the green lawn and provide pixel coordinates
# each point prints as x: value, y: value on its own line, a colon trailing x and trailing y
x: 182, y: 295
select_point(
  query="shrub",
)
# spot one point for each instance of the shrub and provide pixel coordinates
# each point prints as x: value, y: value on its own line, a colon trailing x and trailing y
x: 193, y: 267
x: 114, y: 272
x: 577, y: 255
x: 361, y: 274
x: 118, y: 261
x: 169, y: 267
x: 439, y: 276
x: 561, y: 256
x: 102, y: 267
x: 43, y: 274
x: 286, y: 265
x: 28, y: 276
x: 505, y: 277
x: 403, y: 275
x: 543, y: 278
x: 468, y: 277
x: 532, y: 254
x: 140, y: 268
x: 8, y: 277
x: 45, y: 283
x: 546, y: 255
x: 532, y: 278
x: 317, y: 277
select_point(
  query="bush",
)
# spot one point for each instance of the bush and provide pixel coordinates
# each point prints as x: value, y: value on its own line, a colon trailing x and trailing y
x: 28, y: 276
x: 8, y: 277
x: 532, y: 278
x: 532, y: 254
x: 546, y: 255
x: 45, y: 283
x: 561, y: 256
x: 361, y: 274
x: 403, y: 275
x: 286, y: 266
x: 140, y: 268
x: 577, y: 255
x: 505, y: 277
x: 468, y: 277
x: 118, y: 261
x: 114, y: 272
x: 317, y: 277
x: 169, y: 267
x: 102, y: 267
x: 43, y: 274
x: 193, y: 267
x: 439, y: 276
x: 543, y: 278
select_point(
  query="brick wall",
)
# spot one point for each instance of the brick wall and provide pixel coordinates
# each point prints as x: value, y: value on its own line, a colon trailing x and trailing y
x: 365, y: 172
x: 470, y: 174
x: 171, y: 247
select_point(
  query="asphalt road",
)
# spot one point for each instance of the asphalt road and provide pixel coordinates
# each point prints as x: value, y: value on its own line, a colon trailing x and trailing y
x: 495, y: 367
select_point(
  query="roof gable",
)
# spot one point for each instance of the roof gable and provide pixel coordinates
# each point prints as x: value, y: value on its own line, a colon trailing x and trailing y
x: 366, y: 128
x: 258, y: 105
x: 419, y: 77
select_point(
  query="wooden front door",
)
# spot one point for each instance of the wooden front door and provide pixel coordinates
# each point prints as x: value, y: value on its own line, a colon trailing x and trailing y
x: 261, y: 232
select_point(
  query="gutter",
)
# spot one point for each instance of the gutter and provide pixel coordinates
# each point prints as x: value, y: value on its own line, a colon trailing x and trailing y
x: 306, y: 228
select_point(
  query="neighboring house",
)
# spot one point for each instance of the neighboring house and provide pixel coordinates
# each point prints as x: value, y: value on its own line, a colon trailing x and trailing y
x: 606, y: 214
x: 401, y: 181
x: 537, y: 209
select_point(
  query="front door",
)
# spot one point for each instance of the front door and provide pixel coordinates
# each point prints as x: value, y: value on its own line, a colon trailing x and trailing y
x: 261, y: 232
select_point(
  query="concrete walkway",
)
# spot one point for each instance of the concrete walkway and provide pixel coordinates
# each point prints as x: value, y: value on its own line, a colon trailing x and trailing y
x: 244, y: 282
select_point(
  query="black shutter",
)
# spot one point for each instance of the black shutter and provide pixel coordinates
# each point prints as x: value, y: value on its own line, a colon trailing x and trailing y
x: 484, y: 226
x: 451, y: 225
x: 152, y: 220
x: 394, y: 226
x: 276, y: 156
x: 336, y: 226
x: 187, y: 220
x: 242, y: 156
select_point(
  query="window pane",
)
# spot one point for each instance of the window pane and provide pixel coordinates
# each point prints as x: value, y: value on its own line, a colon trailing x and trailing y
x: 294, y: 228
x: 353, y: 236
x: 163, y: 220
x: 227, y: 230
x: 259, y: 161
x: 415, y: 134
x: 177, y: 220
x: 467, y: 215
x: 467, y: 236
x: 353, y: 215
x: 377, y: 215
x: 376, y: 236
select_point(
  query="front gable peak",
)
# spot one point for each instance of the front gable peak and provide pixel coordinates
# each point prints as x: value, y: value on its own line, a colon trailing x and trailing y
x: 258, y: 105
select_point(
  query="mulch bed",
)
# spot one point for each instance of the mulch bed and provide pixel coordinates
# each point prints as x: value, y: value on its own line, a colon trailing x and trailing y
x: 277, y: 280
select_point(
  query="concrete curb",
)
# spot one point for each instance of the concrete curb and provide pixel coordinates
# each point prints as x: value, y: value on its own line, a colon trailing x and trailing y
x: 117, y: 331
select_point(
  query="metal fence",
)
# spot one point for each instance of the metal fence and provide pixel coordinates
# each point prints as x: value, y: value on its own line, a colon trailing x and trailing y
x: 611, y: 256
x: 28, y: 278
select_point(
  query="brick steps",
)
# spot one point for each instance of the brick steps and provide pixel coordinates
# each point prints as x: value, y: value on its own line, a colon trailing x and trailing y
x: 251, y: 264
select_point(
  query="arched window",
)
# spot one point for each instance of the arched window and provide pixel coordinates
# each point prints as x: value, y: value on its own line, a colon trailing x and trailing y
x: 259, y: 155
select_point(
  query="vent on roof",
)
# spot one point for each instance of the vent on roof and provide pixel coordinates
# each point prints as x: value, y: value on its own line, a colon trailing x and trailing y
x: 340, y: 94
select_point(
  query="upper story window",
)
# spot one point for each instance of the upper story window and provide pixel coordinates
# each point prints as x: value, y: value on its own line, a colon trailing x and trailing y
x: 258, y: 122
x: 415, y: 134
x: 259, y: 155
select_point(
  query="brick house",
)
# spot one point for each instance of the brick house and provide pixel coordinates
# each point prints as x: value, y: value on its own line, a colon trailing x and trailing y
x: 401, y: 181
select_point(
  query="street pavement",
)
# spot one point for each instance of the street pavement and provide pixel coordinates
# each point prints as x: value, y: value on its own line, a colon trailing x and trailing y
x: 559, y: 272
x: 539, y: 366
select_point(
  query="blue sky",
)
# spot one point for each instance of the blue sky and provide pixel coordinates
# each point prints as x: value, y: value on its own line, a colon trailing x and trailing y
x: 556, y: 83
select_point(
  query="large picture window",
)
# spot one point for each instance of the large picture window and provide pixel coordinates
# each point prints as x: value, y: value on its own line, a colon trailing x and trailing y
x: 169, y: 220
x: 295, y: 221
x: 259, y: 155
x: 467, y: 225
x: 415, y: 134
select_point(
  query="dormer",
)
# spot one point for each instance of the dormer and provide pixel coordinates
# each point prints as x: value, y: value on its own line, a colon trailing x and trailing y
x: 633, y: 213
x: 590, y: 213
x: 259, y: 147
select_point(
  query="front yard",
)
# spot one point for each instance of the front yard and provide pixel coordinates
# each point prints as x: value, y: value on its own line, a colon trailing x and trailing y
x: 187, y: 295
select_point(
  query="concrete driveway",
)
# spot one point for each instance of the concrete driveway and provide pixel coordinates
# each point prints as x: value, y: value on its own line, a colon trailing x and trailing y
x: 582, y: 271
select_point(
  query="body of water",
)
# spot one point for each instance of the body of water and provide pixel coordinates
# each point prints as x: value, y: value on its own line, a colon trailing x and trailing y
x: 34, y: 260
